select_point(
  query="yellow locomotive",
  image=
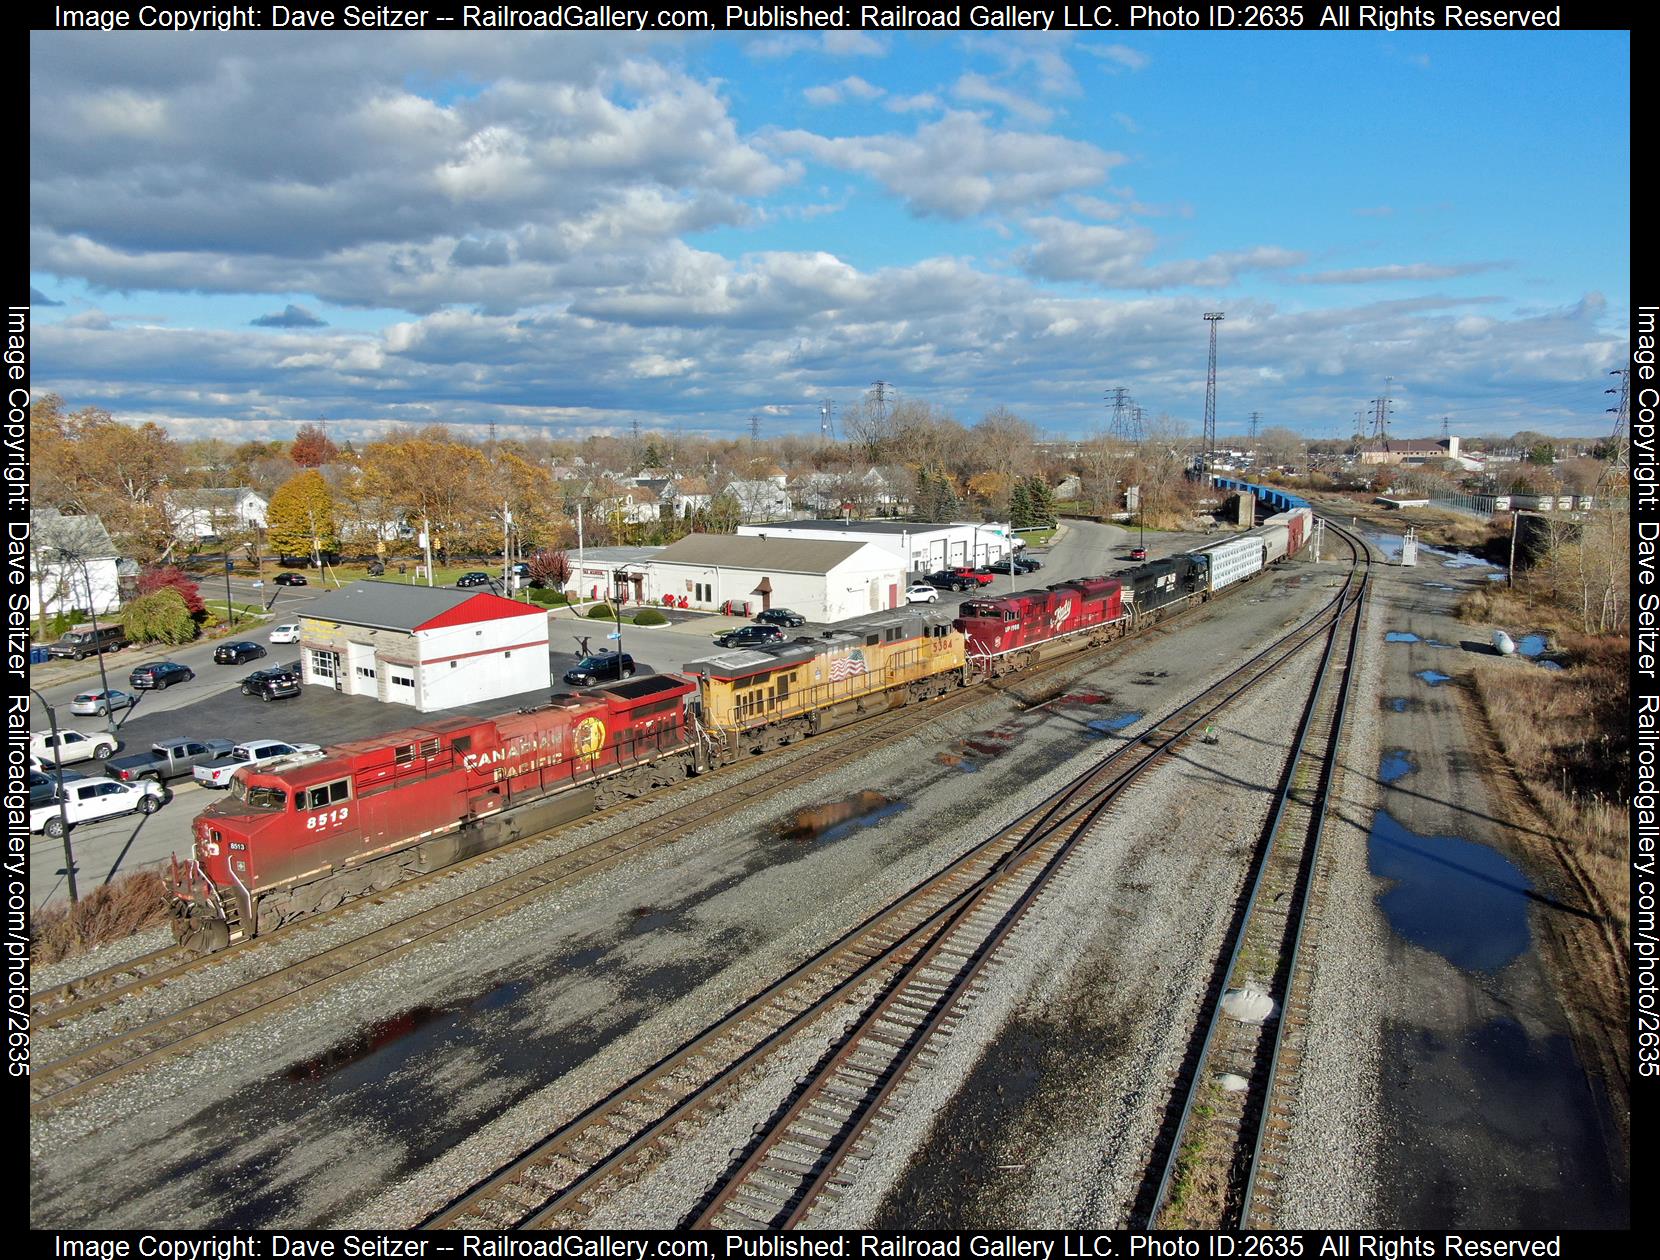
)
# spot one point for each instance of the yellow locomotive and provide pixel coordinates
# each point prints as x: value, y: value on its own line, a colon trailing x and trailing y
x: 757, y: 698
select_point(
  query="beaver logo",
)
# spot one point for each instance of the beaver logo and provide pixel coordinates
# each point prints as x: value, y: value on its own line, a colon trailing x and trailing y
x: 588, y: 737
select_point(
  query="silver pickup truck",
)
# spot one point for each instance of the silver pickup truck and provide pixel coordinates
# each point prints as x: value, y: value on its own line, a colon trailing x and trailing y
x: 168, y: 759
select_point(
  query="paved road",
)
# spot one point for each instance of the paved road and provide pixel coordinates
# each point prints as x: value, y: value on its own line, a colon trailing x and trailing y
x: 212, y: 706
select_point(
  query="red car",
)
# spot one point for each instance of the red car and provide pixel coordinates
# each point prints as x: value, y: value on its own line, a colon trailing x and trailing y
x: 1138, y: 553
x: 975, y: 575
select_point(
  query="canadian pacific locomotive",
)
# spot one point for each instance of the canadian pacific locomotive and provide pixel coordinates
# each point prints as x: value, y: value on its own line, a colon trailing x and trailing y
x: 303, y: 834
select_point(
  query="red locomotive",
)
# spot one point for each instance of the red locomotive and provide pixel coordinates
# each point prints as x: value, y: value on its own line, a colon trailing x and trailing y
x: 306, y: 833
x: 1014, y: 631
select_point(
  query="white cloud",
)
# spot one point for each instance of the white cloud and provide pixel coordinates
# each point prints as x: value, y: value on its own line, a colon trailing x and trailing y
x: 979, y: 90
x: 1117, y: 257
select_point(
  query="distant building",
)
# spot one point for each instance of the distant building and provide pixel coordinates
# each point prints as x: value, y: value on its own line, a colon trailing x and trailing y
x: 1412, y: 451
x: 210, y: 513
x: 72, y: 564
x: 431, y: 648
x: 760, y: 500
x: 923, y: 546
x: 824, y: 581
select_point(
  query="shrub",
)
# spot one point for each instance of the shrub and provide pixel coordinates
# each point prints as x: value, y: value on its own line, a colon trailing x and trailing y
x: 166, y: 577
x: 159, y: 617
x: 109, y: 913
x: 650, y: 617
x: 602, y: 612
x: 549, y: 568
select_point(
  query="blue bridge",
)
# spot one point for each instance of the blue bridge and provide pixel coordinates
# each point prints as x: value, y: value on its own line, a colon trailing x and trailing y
x: 1277, y: 499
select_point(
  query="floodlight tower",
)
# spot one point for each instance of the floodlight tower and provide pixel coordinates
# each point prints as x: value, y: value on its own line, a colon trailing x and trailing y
x: 1212, y: 318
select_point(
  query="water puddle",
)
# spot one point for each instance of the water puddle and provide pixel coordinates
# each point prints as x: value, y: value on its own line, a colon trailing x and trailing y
x: 1531, y: 645
x: 1112, y: 725
x: 1459, y: 899
x: 1397, y: 704
x: 1433, y: 677
x: 1400, y: 636
x: 1436, y: 643
x: 361, y: 1045
x: 835, y: 819
x: 1397, y: 763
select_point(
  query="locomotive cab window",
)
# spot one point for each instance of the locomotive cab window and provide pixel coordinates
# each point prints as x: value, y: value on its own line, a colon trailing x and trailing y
x: 460, y: 744
x: 325, y: 794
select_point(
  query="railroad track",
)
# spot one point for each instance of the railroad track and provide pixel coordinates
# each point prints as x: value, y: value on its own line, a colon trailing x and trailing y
x: 1223, y: 1160
x: 109, y: 1059
x: 903, y: 960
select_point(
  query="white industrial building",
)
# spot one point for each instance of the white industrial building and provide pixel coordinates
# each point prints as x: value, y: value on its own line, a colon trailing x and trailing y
x: 431, y: 648
x: 821, y: 580
x: 923, y: 546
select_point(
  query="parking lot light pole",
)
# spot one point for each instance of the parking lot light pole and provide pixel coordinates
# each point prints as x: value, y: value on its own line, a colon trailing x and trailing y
x: 63, y: 808
x: 617, y: 579
x: 103, y: 674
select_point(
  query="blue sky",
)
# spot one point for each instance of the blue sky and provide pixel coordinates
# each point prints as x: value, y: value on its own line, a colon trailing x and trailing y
x: 565, y: 234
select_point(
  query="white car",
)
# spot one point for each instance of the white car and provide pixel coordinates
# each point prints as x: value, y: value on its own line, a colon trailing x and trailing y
x: 69, y: 746
x: 87, y: 799
x: 255, y: 752
x: 921, y: 593
x: 288, y: 632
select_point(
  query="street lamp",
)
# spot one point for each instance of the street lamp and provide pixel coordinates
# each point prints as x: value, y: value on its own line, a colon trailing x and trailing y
x: 63, y: 809
x: 92, y: 611
x: 618, y: 577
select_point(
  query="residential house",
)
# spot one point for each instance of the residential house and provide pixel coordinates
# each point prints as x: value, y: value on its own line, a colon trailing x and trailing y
x: 72, y: 564
x: 212, y: 513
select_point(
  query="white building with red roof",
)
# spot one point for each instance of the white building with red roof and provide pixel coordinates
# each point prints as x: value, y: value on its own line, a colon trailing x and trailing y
x: 431, y: 648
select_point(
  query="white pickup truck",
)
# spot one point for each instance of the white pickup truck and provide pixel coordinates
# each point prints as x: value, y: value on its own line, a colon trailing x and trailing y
x: 217, y: 774
x: 86, y: 799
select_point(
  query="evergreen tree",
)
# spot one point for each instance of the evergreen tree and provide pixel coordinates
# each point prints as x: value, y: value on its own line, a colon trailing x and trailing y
x: 1020, y: 505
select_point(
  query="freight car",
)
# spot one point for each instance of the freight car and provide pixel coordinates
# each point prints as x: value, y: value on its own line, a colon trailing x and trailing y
x: 1016, y: 631
x: 300, y: 835
x: 753, y: 699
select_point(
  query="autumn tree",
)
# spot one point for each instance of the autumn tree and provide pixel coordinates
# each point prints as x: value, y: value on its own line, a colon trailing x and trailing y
x: 301, y: 520
x: 159, y: 617
x: 167, y: 578
x: 311, y: 447
x: 549, y: 568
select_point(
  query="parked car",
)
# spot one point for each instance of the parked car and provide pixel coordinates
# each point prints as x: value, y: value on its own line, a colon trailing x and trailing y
x: 946, y: 580
x: 922, y: 593
x: 159, y: 676
x: 980, y: 577
x: 288, y: 632
x: 101, y: 702
x: 601, y: 667
x: 255, y: 682
x: 291, y: 579
x: 750, y: 636
x: 69, y: 746
x: 84, y: 641
x: 1030, y: 563
x: 780, y: 617
x: 236, y: 653
x: 167, y: 759
x: 476, y: 578
x: 1138, y: 553
x: 43, y: 784
x: 280, y: 686
x: 254, y: 752
x: 96, y: 798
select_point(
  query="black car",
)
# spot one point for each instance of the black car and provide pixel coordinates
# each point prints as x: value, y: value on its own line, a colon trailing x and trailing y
x: 160, y: 675
x: 254, y: 682
x: 946, y: 580
x: 1028, y: 564
x: 279, y: 686
x: 291, y: 579
x: 602, y: 667
x: 236, y: 653
x: 750, y: 636
x: 476, y: 578
x: 780, y: 617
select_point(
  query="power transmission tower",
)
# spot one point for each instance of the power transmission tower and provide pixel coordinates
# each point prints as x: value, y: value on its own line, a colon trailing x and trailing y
x: 826, y: 421
x: 1381, y: 410
x: 1255, y: 416
x: 1120, y: 404
x: 754, y: 426
x: 879, y: 390
x: 1212, y: 318
x: 1446, y: 427
x: 1619, y: 456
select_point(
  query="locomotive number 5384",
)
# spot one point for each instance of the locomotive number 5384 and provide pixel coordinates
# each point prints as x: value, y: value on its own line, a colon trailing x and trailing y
x: 314, y: 821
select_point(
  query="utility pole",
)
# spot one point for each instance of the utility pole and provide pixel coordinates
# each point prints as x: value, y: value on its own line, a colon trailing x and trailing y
x: 92, y: 612
x: 506, y: 553
x: 426, y: 545
x: 1212, y: 318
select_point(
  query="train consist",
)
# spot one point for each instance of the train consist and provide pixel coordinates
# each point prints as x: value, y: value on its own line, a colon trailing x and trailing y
x: 302, y: 834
